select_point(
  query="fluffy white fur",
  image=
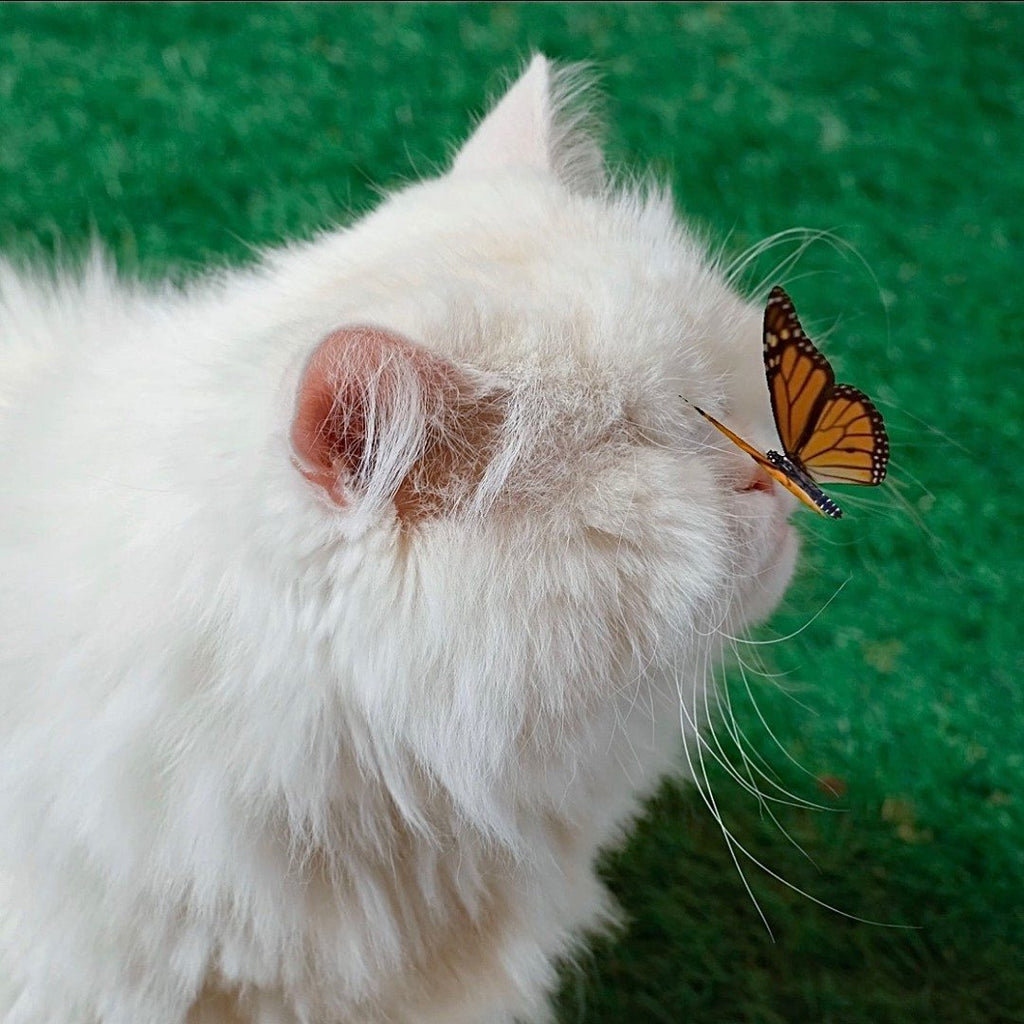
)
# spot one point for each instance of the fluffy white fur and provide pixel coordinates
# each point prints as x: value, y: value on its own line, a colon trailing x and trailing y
x: 271, y: 752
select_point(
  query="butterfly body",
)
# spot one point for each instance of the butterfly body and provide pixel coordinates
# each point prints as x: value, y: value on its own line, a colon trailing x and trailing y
x: 830, y: 433
x: 789, y: 473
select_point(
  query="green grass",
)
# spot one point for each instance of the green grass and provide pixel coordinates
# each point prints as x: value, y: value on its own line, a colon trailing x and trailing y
x: 182, y: 135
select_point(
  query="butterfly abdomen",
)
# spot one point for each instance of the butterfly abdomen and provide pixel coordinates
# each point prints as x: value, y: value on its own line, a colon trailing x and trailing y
x: 796, y: 473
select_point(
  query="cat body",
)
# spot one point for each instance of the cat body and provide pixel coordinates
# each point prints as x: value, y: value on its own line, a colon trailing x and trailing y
x: 352, y: 602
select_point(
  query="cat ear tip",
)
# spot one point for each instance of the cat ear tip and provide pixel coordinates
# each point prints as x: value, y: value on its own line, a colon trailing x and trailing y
x: 537, y: 62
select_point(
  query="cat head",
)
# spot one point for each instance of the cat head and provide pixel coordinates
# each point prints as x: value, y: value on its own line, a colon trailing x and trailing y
x: 501, y: 509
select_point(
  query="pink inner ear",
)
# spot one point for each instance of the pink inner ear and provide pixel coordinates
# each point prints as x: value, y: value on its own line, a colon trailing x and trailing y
x: 359, y: 390
x: 329, y: 429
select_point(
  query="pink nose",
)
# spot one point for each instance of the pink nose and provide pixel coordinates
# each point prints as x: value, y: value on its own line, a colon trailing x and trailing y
x: 757, y: 480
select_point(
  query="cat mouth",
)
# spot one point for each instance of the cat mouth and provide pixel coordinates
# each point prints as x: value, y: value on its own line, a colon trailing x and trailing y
x: 758, y: 481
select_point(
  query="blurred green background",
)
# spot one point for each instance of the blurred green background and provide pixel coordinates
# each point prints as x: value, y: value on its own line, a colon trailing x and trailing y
x: 184, y: 135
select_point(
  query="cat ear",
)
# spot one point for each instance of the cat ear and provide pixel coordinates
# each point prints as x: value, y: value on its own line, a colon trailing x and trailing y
x: 379, y: 419
x: 540, y: 123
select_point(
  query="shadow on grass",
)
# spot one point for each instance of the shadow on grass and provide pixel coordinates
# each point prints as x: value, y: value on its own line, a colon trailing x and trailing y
x: 695, y: 948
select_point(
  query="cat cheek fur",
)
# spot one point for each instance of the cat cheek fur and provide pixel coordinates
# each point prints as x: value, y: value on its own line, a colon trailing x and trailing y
x: 325, y: 685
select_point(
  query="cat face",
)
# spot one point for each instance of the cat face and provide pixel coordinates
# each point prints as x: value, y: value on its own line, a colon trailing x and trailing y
x: 507, y: 507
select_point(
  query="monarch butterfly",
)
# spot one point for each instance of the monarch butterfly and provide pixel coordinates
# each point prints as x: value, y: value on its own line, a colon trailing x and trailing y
x: 830, y: 432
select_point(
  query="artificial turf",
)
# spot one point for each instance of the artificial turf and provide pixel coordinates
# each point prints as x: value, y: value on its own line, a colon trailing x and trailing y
x: 182, y: 135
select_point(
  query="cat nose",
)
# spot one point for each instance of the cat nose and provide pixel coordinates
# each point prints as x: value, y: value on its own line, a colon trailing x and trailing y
x: 756, y: 479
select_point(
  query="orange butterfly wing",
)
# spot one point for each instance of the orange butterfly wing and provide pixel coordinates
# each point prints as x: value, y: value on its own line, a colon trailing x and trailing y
x: 800, y: 378
x: 849, y: 444
x: 833, y: 431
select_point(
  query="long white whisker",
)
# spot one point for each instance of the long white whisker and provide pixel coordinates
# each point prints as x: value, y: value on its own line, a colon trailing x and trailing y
x: 723, y: 760
x: 738, y: 737
x: 809, y: 804
x: 789, y: 636
x: 794, y: 801
x: 735, y: 845
x: 763, y: 800
x: 709, y: 802
x: 929, y: 427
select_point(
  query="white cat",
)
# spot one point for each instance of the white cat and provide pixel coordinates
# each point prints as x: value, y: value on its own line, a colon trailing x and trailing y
x: 351, y: 602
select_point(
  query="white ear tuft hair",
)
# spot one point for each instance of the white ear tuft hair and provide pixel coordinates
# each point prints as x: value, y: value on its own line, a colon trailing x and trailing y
x: 543, y: 121
x: 381, y: 420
